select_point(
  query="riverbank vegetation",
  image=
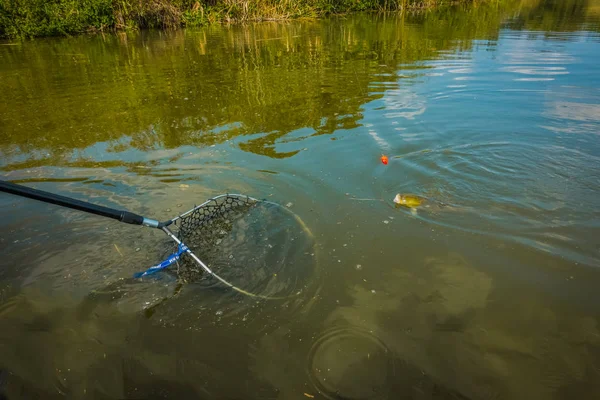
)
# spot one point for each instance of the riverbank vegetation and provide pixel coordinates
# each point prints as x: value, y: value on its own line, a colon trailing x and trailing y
x: 32, y: 18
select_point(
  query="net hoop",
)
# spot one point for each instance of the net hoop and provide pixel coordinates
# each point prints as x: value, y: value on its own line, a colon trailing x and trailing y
x: 175, y: 238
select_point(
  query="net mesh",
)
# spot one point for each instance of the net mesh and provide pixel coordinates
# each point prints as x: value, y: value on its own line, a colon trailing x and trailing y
x: 204, y: 227
x: 260, y: 246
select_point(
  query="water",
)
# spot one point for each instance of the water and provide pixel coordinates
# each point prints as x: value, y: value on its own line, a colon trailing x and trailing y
x: 491, y: 110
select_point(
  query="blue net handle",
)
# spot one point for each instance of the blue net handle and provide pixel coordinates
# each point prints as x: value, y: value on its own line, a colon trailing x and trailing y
x: 173, y: 258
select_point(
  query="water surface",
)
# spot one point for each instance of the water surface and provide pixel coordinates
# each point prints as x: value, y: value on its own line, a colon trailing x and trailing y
x: 491, y: 111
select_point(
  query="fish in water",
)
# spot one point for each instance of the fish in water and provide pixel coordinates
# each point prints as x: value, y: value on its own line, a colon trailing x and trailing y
x: 409, y: 200
x: 413, y: 202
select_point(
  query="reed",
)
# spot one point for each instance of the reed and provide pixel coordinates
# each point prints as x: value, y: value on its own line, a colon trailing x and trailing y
x: 32, y: 18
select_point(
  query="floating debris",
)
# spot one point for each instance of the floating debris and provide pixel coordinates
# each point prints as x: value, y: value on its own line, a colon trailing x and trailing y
x: 119, y: 251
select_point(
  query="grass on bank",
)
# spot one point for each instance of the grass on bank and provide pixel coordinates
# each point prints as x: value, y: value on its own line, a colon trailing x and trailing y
x: 34, y: 18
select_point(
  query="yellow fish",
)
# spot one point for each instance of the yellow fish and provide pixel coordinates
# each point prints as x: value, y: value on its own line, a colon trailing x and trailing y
x: 409, y: 200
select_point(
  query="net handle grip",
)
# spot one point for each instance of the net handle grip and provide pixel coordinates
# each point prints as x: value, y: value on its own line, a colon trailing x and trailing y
x: 51, y: 198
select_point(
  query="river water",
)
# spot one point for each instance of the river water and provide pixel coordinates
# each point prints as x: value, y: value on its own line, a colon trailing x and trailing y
x: 492, y: 112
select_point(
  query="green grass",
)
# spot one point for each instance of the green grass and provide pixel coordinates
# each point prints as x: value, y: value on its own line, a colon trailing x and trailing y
x: 31, y: 18
x: 34, y: 18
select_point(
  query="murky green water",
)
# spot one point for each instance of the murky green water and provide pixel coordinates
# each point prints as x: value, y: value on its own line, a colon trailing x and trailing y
x: 493, y: 111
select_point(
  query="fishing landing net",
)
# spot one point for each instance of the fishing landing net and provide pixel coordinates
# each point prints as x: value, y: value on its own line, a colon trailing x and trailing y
x: 257, y: 247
